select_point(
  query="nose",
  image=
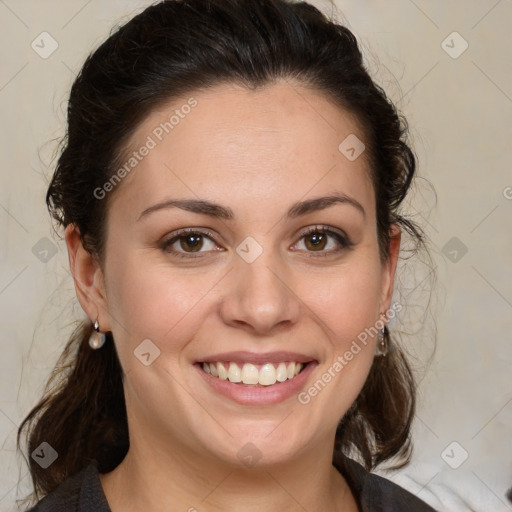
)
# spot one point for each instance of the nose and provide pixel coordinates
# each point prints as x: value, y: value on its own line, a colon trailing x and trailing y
x: 259, y: 296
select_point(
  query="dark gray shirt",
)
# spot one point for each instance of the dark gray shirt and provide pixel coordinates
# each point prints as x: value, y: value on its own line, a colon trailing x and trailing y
x: 83, y: 492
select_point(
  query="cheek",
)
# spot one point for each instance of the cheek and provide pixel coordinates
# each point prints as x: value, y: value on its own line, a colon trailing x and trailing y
x: 346, y: 308
x: 151, y: 301
x: 347, y: 301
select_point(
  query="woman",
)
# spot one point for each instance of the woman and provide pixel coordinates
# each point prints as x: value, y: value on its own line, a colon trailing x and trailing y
x: 229, y: 189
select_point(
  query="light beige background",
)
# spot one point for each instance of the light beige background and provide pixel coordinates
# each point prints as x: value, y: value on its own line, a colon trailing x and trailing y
x: 460, y: 113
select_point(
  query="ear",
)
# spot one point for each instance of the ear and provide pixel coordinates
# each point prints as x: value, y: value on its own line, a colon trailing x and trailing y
x: 88, y: 278
x: 389, y: 268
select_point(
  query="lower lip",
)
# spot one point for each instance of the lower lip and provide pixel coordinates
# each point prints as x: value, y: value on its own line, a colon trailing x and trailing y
x: 258, y: 395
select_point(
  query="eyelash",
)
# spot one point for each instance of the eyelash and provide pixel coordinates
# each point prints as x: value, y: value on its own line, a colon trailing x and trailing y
x: 343, y: 240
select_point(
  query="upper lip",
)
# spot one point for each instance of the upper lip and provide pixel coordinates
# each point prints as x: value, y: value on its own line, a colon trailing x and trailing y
x: 257, y: 358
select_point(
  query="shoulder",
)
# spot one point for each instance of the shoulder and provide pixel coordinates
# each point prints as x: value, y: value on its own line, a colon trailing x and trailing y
x: 375, y: 493
x: 81, y: 492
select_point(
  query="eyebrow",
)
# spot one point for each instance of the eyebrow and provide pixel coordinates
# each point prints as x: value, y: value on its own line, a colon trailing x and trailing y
x: 216, y: 210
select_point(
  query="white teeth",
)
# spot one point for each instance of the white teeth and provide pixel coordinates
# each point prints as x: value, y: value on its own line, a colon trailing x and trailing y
x: 291, y: 371
x: 249, y: 374
x: 281, y: 373
x: 267, y: 375
x: 223, y: 373
x: 234, y: 373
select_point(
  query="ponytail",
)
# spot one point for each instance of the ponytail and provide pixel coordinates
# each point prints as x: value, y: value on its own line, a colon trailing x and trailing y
x: 377, y: 425
x: 82, y: 414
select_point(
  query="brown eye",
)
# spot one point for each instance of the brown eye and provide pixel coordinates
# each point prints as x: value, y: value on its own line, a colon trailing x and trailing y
x: 187, y: 242
x: 191, y: 242
x: 317, y: 241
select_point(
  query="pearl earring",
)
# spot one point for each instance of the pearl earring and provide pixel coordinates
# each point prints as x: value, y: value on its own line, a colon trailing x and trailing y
x: 382, y: 343
x: 97, y: 338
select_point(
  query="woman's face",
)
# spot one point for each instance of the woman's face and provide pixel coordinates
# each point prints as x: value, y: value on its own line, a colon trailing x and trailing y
x: 248, y: 285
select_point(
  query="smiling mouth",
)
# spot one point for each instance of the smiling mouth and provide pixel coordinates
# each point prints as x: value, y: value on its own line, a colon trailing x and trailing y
x: 250, y: 374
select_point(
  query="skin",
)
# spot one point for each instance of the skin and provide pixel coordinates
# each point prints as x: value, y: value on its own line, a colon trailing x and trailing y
x: 256, y: 152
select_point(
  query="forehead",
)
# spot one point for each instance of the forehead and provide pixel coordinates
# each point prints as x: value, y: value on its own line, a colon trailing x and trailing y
x: 229, y: 143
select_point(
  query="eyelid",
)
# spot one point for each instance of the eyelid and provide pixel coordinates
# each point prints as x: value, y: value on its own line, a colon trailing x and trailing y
x: 175, y: 236
x: 326, y: 229
x: 339, y: 235
x: 185, y: 231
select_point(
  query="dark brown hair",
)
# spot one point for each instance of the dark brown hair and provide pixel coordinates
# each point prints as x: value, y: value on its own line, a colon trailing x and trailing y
x: 174, y: 48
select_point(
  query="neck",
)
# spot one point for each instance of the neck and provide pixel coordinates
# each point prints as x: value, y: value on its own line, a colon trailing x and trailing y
x: 151, y: 479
